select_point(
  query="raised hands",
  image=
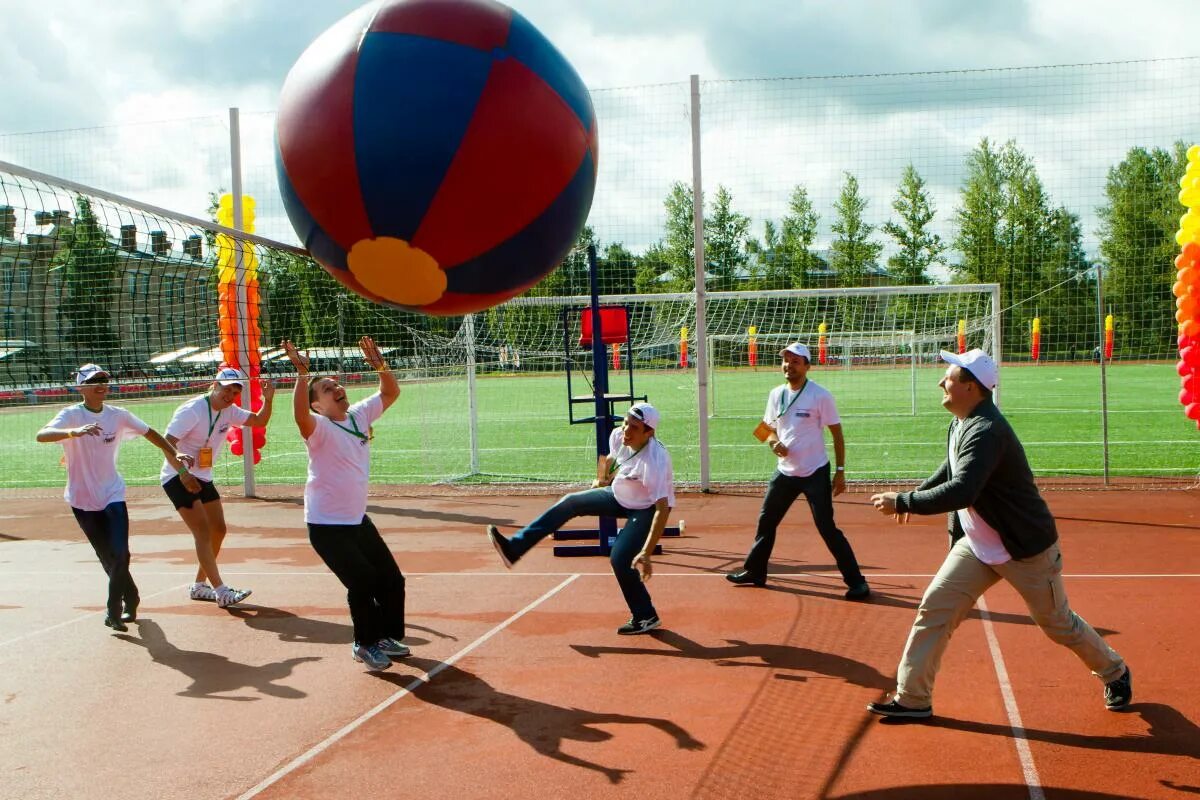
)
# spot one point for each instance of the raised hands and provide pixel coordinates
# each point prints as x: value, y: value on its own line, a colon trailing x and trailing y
x: 298, y: 359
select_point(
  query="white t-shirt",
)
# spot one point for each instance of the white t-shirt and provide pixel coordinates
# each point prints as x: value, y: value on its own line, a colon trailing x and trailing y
x: 339, y: 465
x: 643, y: 476
x: 92, y: 478
x: 196, y: 425
x: 799, y: 422
x: 982, y: 538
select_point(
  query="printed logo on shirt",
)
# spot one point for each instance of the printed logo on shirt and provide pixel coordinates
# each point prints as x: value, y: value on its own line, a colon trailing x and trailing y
x: 223, y: 429
x: 110, y: 439
x: 803, y: 414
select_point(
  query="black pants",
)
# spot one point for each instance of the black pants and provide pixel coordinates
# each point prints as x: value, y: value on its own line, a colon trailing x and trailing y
x: 782, y: 491
x: 108, y: 531
x: 360, y: 559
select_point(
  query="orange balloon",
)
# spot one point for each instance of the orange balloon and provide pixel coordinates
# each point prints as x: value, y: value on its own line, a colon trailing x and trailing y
x: 1189, y: 327
x: 1179, y: 288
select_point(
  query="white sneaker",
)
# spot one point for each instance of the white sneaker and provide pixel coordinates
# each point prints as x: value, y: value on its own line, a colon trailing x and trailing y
x: 202, y: 591
x: 227, y: 596
x: 393, y: 648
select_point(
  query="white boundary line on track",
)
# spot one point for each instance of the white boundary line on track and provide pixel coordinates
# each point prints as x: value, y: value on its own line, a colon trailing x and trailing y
x: 1032, y: 781
x: 775, y: 575
x: 426, y: 677
x: 90, y: 615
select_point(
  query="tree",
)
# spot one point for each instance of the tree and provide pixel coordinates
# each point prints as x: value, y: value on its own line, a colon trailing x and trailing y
x: 725, y: 236
x: 678, y: 245
x: 799, y: 231
x: 853, y: 252
x: 90, y: 269
x: 920, y: 248
x: 618, y: 270
x: 1137, y: 227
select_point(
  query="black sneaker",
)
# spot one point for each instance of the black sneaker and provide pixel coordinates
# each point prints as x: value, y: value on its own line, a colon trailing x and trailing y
x: 859, y: 591
x: 130, y: 614
x: 115, y: 624
x: 636, y: 626
x: 1118, y: 694
x: 746, y: 578
x: 894, y: 709
x: 501, y: 544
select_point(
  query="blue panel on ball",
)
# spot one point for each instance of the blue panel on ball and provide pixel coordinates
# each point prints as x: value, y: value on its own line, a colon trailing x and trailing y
x: 531, y: 48
x: 413, y: 99
x: 534, y: 250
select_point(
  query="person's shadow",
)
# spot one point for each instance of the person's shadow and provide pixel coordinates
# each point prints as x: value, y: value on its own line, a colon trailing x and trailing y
x: 215, y: 676
x: 737, y: 653
x: 291, y: 627
x: 1170, y: 733
x: 542, y: 726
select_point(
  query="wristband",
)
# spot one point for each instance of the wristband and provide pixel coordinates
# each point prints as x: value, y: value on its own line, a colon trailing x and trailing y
x: 841, y: 469
x: 71, y: 434
x: 384, y: 368
x: 182, y: 469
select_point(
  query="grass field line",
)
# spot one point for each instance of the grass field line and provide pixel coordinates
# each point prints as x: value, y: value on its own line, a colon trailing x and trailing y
x: 415, y: 684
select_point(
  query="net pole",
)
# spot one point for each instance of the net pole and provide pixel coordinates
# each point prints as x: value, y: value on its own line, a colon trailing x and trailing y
x: 912, y: 360
x: 243, y: 306
x: 701, y: 329
x: 472, y: 398
x: 1103, y: 369
x: 997, y: 340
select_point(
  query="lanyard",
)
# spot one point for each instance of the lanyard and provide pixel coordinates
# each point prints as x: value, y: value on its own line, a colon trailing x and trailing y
x: 618, y: 464
x: 212, y: 422
x: 355, y: 432
x: 784, y: 409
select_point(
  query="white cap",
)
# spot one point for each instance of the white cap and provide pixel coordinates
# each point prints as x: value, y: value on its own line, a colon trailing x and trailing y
x: 645, y: 412
x: 797, y: 349
x: 228, y: 376
x: 89, y: 371
x: 979, y: 363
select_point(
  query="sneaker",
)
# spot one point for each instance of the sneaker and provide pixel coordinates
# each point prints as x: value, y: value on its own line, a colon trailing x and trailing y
x: 130, y: 613
x: 501, y: 544
x: 228, y: 596
x: 894, y: 709
x: 636, y: 626
x: 375, y: 660
x: 202, y: 591
x: 1118, y: 694
x: 115, y: 624
x: 393, y: 648
x: 746, y: 578
x: 859, y: 591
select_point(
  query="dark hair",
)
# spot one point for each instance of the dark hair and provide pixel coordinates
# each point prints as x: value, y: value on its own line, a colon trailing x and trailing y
x: 312, y: 392
x: 967, y: 375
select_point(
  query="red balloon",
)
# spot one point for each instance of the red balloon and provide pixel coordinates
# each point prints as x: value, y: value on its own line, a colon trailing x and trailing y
x: 236, y: 447
x: 257, y: 456
x: 259, y: 437
x: 1186, y: 397
x: 1190, y: 355
x: 1184, y: 369
x: 1193, y: 411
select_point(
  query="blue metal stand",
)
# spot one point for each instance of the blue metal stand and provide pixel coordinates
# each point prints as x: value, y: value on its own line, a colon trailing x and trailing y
x: 602, y: 404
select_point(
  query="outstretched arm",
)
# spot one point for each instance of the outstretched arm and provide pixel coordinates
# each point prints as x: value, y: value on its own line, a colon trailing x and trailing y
x: 300, y: 408
x: 389, y: 389
x: 178, y: 462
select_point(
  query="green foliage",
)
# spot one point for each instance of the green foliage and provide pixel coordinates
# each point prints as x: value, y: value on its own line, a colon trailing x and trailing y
x: 1137, y: 230
x: 920, y: 248
x: 853, y: 252
x: 90, y: 267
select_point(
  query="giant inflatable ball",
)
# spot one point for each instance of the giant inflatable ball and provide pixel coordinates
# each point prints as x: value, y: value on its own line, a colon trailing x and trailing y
x: 436, y: 155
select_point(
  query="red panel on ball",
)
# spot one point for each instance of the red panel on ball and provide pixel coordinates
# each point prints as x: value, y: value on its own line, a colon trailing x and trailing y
x: 514, y: 160
x: 483, y: 26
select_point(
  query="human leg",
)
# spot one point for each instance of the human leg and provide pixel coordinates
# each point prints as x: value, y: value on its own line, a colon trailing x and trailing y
x: 819, y: 493
x: 388, y: 588
x: 1039, y: 581
x: 598, y: 502
x: 782, y: 491
x: 217, y: 530
x: 959, y: 582
x: 630, y: 540
x: 94, y: 525
x: 117, y: 516
x: 340, y: 547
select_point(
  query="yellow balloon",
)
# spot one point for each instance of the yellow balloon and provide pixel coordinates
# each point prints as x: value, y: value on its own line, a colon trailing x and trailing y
x: 1193, y: 153
x: 1190, y: 222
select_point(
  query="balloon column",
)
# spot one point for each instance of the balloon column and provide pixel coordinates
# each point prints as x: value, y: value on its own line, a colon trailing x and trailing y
x: 962, y: 336
x: 1187, y: 288
x: 1035, y: 346
x: 227, y: 315
x: 822, y: 343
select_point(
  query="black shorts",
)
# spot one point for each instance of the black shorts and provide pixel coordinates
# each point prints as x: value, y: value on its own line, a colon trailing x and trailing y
x: 182, y: 498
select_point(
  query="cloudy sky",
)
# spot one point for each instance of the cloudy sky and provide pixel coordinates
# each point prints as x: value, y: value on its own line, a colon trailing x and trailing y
x: 132, y: 97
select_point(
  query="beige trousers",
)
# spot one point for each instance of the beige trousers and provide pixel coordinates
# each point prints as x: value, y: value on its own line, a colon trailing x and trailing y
x: 962, y: 579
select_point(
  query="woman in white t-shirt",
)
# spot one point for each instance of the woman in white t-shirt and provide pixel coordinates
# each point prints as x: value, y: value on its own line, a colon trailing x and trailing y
x: 91, y: 434
x: 338, y: 437
x: 198, y: 428
x: 635, y: 481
